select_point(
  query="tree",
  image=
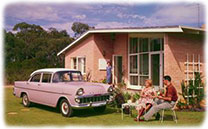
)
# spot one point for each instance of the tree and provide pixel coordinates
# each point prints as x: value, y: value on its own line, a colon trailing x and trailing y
x: 32, y: 48
x: 79, y: 28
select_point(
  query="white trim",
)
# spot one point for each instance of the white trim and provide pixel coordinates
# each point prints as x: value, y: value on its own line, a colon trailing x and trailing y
x: 148, y: 30
x: 138, y: 87
x: 192, y: 28
x: 128, y: 60
x: 173, y: 29
x: 135, y: 87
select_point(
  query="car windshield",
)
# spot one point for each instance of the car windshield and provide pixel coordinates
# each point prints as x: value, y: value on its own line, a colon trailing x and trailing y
x: 67, y: 76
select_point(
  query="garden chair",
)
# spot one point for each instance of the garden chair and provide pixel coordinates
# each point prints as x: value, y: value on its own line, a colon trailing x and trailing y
x: 173, y: 111
x: 131, y: 107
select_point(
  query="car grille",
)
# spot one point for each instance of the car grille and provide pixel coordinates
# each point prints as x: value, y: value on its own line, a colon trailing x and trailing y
x: 94, y: 99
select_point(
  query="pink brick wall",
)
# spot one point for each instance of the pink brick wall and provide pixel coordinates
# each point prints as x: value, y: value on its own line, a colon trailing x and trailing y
x: 103, y: 49
x: 83, y: 48
x: 118, y: 46
x: 121, y: 48
x: 175, y: 49
x: 99, y: 46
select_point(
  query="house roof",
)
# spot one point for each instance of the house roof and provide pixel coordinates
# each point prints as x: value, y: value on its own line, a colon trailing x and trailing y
x: 153, y: 29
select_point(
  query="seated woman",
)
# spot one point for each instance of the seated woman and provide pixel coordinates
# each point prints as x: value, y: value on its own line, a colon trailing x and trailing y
x: 145, y: 101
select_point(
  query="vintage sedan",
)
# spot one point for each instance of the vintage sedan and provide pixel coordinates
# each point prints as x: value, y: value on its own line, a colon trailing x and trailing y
x: 62, y: 88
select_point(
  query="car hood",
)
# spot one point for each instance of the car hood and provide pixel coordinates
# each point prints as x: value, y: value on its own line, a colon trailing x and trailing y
x: 90, y: 88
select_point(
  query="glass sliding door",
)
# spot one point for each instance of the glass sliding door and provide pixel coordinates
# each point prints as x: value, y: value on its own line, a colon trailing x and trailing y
x: 155, y: 69
x: 144, y: 68
x: 145, y: 61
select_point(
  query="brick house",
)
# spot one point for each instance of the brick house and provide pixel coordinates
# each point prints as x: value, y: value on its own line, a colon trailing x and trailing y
x: 138, y: 53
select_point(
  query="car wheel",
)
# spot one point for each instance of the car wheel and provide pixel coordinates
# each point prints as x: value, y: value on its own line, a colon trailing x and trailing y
x: 65, y: 108
x: 100, y: 109
x: 25, y: 100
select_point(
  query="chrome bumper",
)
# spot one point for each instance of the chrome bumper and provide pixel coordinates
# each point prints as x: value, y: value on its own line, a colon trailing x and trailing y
x: 87, y: 105
x: 95, y: 100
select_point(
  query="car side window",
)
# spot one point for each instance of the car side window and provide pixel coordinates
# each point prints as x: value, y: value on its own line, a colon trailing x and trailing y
x: 46, y: 78
x: 56, y: 77
x: 35, y: 78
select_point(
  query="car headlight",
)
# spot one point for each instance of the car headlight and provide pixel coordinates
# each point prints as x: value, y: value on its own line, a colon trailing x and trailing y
x: 110, y: 89
x: 77, y: 100
x: 80, y: 92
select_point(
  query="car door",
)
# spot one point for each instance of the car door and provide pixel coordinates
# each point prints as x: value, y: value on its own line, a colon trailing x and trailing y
x: 49, y: 92
x: 33, y: 87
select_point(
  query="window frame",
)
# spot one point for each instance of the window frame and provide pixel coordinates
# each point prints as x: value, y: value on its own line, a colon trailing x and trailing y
x: 83, y: 66
x: 43, y: 75
x: 149, y: 52
x: 35, y: 75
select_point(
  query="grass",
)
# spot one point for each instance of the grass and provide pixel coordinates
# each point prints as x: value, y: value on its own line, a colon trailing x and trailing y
x: 39, y: 115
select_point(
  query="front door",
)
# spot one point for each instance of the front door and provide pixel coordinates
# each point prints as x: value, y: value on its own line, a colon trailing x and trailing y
x: 117, y: 69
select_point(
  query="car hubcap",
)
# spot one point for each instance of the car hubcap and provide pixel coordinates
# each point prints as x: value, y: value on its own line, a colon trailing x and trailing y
x: 25, y: 100
x: 65, y: 108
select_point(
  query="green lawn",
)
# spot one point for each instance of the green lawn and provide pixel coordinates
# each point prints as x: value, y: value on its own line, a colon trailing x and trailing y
x: 39, y: 115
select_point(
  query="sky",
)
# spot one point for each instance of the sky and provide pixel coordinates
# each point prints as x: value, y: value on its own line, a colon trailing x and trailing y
x: 104, y: 15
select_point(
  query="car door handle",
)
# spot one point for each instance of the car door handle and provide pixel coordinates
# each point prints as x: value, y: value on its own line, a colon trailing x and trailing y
x: 38, y: 84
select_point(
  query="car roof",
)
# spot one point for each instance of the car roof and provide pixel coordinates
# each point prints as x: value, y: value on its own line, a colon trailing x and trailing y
x: 52, y: 70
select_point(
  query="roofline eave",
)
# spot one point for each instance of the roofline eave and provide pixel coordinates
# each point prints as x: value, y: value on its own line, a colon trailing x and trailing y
x: 145, y: 30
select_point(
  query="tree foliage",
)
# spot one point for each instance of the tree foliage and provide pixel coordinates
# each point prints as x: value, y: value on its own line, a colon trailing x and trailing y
x: 79, y: 28
x: 32, y: 48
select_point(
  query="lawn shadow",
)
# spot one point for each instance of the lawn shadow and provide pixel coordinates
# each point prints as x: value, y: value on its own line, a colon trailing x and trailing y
x: 44, y: 107
x: 90, y: 112
x: 76, y: 112
x: 168, y: 118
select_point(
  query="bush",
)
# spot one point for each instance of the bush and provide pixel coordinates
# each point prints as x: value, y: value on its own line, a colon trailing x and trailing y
x: 127, y: 96
x: 121, y: 85
x: 182, y: 105
x: 195, y: 90
x: 103, y: 81
x: 136, y: 96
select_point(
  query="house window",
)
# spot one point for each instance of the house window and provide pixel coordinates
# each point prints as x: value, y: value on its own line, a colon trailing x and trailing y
x: 141, y: 63
x: 133, y: 64
x: 144, y: 63
x: 134, y: 80
x: 156, y: 44
x: 79, y: 63
x: 143, y: 45
x: 74, y: 63
x: 133, y: 45
x: 82, y: 64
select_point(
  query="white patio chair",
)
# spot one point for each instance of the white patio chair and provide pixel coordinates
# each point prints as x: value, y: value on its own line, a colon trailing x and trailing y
x: 173, y: 111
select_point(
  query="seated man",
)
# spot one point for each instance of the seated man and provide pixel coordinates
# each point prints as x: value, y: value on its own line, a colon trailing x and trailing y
x: 163, y: 102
